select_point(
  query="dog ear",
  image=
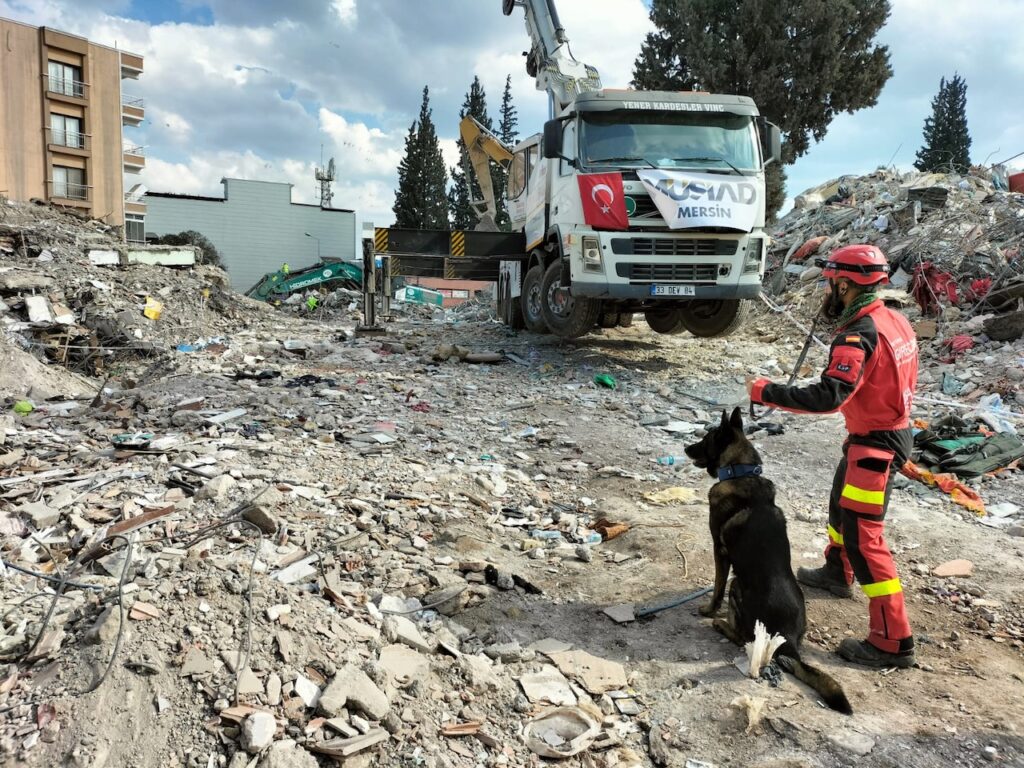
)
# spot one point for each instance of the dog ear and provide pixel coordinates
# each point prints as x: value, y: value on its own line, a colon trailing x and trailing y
x: 725, y: 420
x: 737, y: 419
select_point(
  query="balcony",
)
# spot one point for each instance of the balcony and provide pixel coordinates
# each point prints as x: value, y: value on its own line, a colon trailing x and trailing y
x: 131, y: 66
x: 66, y: 89
x: 62, y: 141
x: 134, y: 159
x: 133, y: 110
x: 69, y: 193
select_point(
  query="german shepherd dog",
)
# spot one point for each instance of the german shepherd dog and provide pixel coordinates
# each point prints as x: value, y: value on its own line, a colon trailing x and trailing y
x: 748, y: 532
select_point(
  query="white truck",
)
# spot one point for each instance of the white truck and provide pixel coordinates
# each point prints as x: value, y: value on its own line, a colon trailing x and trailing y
x: 631, y: 201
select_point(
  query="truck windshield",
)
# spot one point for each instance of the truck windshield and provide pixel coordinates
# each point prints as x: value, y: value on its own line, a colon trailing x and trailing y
x: 714, y: 142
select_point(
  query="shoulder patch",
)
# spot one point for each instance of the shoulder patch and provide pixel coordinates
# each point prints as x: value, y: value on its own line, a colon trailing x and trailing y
x: 853, y: 339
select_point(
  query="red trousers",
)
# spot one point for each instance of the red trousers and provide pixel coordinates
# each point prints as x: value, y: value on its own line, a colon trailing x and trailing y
x: 856, y: 515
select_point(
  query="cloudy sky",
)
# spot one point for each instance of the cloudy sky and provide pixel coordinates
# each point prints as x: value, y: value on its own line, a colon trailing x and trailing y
x: 254, y: 88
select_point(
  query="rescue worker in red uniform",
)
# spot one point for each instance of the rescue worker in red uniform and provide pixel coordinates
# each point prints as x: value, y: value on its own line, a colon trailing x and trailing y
x: 870, y: 379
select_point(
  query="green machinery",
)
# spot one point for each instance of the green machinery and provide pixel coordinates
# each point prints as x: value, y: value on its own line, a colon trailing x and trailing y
x: 279, y: 285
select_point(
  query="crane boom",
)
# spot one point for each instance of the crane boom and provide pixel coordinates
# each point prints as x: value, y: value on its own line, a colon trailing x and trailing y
x: 549, y: 60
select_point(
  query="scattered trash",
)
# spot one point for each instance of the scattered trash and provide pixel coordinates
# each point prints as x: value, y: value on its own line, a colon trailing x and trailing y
x: 605, y: 380
x: 676, y: 493
x: 561, y: 732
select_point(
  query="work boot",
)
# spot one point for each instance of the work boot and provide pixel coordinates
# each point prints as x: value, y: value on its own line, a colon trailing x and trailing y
x: 824, y: 578
x: 867, y: 655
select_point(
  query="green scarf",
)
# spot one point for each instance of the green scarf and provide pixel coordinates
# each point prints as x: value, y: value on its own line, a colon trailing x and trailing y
x: 856, y: 306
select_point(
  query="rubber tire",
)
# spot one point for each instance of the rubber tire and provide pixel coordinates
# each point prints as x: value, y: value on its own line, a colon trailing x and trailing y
x: 608, y: 320
x: 510, y: 309
x: 626, y: 320
x: 533, y: 322
x: 729, y: 316
x: 582, y: 315
x: 666, y: 321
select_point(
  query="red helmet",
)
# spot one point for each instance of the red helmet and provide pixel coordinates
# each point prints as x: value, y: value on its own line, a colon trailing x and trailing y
x: 863, y: 264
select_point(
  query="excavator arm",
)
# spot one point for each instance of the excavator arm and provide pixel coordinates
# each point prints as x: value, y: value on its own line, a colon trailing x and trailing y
x: 483, y: 146
x: 549, y: 60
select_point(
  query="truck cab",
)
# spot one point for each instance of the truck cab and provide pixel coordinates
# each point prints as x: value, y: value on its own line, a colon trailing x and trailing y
x: 690, y: 246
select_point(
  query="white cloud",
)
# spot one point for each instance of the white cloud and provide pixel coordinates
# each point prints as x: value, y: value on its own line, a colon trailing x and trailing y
x: 345, y: 11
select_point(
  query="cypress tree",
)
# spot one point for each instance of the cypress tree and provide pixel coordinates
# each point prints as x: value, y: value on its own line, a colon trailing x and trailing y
x: 465, y: 186
x: 947, y: 142
x: 802, y: 61
x: 421, y: 199
x: 508, y: 132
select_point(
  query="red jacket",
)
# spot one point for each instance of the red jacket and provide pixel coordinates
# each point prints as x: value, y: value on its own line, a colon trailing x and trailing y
x: 870, y: 378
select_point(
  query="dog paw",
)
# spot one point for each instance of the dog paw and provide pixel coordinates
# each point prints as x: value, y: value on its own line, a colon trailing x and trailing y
x: 708, y: 610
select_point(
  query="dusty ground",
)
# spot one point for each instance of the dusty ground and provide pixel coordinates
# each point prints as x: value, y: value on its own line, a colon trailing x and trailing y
x: 968, y: 699
x: 966, y: 695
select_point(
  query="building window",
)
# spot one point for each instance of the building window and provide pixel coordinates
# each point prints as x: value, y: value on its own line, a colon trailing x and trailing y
x: 134, y: 228
x: 66, y: 79
x: 69, y: 183
x: 67, y: 131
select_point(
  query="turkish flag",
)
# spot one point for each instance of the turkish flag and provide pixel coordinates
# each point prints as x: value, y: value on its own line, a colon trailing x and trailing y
x: 604, y: 201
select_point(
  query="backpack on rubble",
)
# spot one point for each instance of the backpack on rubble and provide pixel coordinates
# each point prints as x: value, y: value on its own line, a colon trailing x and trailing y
x: 967, y: 453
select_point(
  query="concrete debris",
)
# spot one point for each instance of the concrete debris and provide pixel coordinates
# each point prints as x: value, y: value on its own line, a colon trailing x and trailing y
x: 354, y: 549
x: 258, y: 732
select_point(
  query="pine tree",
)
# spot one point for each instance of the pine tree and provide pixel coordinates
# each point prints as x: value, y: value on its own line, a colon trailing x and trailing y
x: 465, y: 186
x: 802, y: 61
x: 508, y: 132
x: 421, y: 199
x: 947, y: 142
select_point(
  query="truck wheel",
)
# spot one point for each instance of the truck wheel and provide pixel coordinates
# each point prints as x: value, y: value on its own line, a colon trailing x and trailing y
x: 609, y: 320
x: 669, y: 321
x: 533, y: 301
x: 567, y: 316
x: 510, y: 310
x: 626, y: 320
x: 708, y: 319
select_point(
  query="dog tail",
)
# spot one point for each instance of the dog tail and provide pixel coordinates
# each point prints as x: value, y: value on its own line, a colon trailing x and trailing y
x: 825, y: 685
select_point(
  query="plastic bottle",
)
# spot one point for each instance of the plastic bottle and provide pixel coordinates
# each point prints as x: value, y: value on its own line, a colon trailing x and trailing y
x: 591, y: 537
x: 669, y: 461
x: 538, y: 533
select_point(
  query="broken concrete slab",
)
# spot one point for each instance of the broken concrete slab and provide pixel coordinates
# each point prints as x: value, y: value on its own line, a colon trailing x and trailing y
x: 401, y: 630
x: 954, y: 568
x: 287, y: 754
x: 404, y: 664
x: 38, y: 309
x: 352, y: 688
x: 548, y: 686
x: 40, y: 514
x: 595, y: 674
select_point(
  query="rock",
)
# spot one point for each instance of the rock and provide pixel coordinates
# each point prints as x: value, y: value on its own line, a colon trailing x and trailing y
x: 584, y: 553
x: 352, y: 688
x: 403, y: 663
x: 1016, y: 531
x: 858, y: 744
x: 287, y: 754
x: 273, y: 690
x: 954, y: 568
x: 258, y: 732
x: 479, y: 671
x: 216, y: 489
x: 104, y: 631
x: 509, y: 653
x: 399, y: 629
x: 261, y: 512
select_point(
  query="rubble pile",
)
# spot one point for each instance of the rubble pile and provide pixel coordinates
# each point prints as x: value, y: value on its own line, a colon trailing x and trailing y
x: 58, y: 305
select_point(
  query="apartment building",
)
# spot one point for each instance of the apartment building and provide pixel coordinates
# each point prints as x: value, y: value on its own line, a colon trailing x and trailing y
x: 62, y: 119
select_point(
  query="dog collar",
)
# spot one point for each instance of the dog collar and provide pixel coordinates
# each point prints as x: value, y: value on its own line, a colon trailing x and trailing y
x: 734, y: 471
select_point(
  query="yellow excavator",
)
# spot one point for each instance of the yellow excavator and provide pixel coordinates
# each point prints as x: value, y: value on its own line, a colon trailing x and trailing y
x: 482, y: 146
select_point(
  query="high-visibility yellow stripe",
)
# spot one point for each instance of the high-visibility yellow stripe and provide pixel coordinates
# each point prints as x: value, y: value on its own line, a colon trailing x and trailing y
x: 380, y: 239
x: 835, y: 536
x: 883, y: 588
x: 854, y: 493
x: 458, y: 243
x: 449, y: 270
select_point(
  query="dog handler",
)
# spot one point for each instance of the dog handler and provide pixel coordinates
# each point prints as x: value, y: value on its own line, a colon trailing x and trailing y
x: 870, y: 379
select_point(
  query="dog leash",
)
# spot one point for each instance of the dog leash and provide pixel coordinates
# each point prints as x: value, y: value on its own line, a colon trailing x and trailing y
x: 811, y: 338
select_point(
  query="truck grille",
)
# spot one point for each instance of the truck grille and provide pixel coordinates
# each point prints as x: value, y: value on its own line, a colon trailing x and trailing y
x: 645, y: 208
x: 661, y: 273
x: 674, y: 246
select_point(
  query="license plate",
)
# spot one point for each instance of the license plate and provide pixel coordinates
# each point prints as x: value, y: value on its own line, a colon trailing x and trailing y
x: 673, y: 290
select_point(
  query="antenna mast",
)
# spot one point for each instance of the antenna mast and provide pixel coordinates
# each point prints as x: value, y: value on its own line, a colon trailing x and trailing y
x: 326, y: 178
